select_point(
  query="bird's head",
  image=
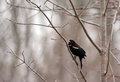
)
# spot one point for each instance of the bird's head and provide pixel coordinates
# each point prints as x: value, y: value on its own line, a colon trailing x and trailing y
x: 71, y: 42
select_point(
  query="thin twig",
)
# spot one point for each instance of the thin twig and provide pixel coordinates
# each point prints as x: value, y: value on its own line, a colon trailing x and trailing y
x: 20, y: 6
x: 19, y: 65
x: 36, y: 24
x: 28, y: 23
x: 115, y: 57
x: 95, y: 45
x: 83, y: 10
x: 112, y: 72
x: 72, y: 74
x: 109, y: 48
x: 83, y: 76
x: 33, y: 15
x: 52, y: 13
x: 23, y: 56
x: 83, y: 20
x: 60, y: 7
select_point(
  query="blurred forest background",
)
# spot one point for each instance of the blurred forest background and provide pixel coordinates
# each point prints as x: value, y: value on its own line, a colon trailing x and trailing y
x: 30, y: 49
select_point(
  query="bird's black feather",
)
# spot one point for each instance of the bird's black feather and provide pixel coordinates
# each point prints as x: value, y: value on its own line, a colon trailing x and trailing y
x: 77, y: 50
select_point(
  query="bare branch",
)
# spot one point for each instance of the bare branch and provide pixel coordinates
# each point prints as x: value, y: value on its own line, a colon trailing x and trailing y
x: 36, y: 24
x: 83, y: 76
x: 95, y: 45
x: 83, y: 10
x: 59, y: 35
x: 23, y: 56
x: 109, y: 47
x: 83, y: 20
x: 106, y: 7
x: 73, y: 74
x: 23, y: 62
x: 60, y: 7
x: 19, y: 65
x: 54, y: 29
x: 109, y: 44
x: 20, y: 6
x: 112, y: 72
x: 115, y: 57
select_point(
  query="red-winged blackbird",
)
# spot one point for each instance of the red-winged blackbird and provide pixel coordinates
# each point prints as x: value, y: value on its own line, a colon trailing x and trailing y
x: 76, y: 50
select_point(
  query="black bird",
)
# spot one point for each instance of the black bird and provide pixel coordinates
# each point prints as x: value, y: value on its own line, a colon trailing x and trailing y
x: 76, y: 50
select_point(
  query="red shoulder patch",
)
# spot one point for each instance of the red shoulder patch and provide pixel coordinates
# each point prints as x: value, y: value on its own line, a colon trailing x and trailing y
x: 75, y: 47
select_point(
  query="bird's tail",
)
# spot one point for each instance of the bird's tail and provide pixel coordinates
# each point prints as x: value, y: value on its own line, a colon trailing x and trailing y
x: 81, y: 62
